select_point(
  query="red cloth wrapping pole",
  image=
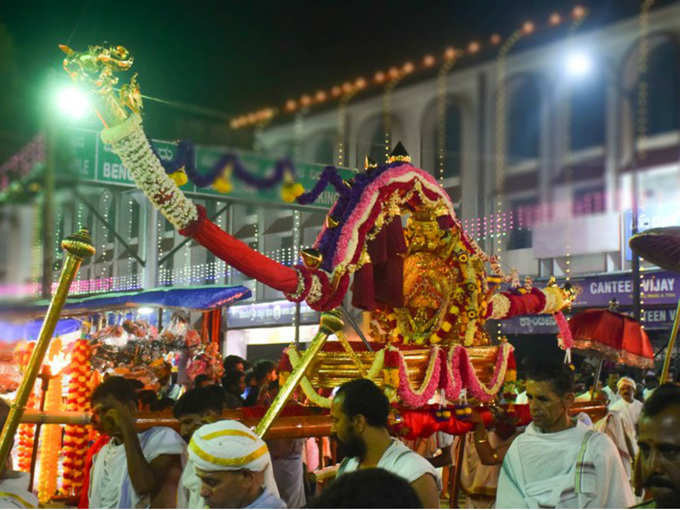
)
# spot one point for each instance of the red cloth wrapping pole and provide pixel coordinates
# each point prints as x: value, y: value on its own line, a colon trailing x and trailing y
x: 531, y: 303
x: 241, y: 256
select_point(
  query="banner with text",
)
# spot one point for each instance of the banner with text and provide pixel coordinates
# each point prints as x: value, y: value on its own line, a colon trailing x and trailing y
x: 94, y: 161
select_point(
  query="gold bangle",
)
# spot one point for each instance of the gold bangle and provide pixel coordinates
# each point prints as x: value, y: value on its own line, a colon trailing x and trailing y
x: 480, y: 441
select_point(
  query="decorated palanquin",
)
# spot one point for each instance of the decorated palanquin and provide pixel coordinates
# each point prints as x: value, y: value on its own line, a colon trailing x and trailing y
x: 392, y: 237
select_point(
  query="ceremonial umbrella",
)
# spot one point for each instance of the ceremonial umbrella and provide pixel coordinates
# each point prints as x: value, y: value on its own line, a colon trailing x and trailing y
x: 613, y: 336
x: 661, y: 246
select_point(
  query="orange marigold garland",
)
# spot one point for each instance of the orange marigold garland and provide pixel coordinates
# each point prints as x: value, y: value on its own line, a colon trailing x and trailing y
x: 50, y: 437
x: 76, y: 437
x: 26, y: 432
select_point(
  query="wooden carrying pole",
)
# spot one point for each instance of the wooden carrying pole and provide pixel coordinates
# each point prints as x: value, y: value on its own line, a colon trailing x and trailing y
x: 77, y: 247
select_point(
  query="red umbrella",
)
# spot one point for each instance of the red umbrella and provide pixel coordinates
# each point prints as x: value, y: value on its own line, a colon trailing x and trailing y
x: 613, y: 336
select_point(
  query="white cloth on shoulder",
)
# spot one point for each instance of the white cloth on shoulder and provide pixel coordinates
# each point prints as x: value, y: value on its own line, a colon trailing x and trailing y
x: 572, y: 468
x: 189, y: 489
x: 400, y: 460
x: 14, y: 491
x: 110, y: 485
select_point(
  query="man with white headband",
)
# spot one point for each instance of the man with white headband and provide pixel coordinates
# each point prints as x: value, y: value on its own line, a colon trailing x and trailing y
x: 234, y: 467
x: 627, y: 406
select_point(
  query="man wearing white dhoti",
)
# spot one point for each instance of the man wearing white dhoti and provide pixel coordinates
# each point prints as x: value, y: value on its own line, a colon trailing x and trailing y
x: 621, y: 420
x: 234, y: 467
x: 359, y: 413
x: 558, y: 462
x: 14, y: 491
x: 627, y: 405
x: 131, y: 470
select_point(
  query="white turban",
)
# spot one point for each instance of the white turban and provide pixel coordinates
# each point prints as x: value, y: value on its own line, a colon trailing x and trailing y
x: 228, y: 445
x: 625, y: 380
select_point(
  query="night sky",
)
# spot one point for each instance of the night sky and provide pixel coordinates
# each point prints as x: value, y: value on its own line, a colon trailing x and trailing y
x: 238, y: 56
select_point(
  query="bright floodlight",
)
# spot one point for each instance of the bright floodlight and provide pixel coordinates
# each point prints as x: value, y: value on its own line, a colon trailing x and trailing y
x: 579, y: 64
x: 73, y: 102
x: 145, y: 310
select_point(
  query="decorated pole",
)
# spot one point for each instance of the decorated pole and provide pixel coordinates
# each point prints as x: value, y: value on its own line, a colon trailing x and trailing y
x: 78, y: 247
x: 331, y: 323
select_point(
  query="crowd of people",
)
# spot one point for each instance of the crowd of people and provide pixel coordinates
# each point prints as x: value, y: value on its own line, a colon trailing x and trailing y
x: 557, y: 460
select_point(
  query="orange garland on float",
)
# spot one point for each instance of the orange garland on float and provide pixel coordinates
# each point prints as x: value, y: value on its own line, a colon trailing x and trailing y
x: 50, y: 441
x: 26, y: 432
x: 77, y: 400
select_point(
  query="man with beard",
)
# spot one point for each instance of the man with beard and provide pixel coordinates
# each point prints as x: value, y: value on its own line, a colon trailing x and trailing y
x: 659, y: 442
x: 234, y: 467
x: 558, y: 462
x: 359, y: 413
x: 131, y: 469
x: 194, y: 409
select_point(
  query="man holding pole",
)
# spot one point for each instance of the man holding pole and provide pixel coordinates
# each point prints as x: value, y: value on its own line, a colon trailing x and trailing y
x: 14, y: 491
x: 131, y: 469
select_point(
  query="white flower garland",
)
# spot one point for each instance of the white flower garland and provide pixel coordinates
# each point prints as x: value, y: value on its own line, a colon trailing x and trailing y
x: 130, y: 143
x: 500, y: 306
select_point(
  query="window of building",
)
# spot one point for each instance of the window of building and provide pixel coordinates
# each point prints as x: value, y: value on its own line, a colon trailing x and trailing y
x: 591, y: 200
x: 376, y: 149
x: 523, y: 121
x: 452, y: 143
x: 324, y: 151
x: 524, y: 216
x: 663, y: 89
x: 587, y: 104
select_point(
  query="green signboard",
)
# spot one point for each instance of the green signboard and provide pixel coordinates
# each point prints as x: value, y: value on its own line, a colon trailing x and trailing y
x: 95, y: 162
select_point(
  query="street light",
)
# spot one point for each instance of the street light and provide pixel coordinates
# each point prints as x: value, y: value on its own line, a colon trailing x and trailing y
x: 73, y: 102
x: 578, y: 64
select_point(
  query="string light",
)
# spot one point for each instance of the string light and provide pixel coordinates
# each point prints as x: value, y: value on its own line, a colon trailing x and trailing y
x: 555, y: 19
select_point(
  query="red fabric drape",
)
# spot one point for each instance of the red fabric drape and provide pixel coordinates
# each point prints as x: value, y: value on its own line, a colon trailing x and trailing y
x: 241, y: 256
x: 382, y: 281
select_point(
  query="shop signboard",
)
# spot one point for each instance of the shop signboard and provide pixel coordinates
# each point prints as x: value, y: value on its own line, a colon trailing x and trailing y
x: 653, y: 319
x: 275, y: 313
x: 657, y: 288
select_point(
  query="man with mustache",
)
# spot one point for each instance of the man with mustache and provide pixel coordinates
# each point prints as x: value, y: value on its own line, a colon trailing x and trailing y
x: 659, y: 442
x: 558, y: 462
x: 359, y: 413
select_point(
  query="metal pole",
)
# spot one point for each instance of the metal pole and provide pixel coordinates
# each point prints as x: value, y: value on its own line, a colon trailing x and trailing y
x: 297, y: 325
x: 330, y: 324
x: 356, y: 327
x: 671, y: 346
x: 597, y: 378
x: 78, y: 247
